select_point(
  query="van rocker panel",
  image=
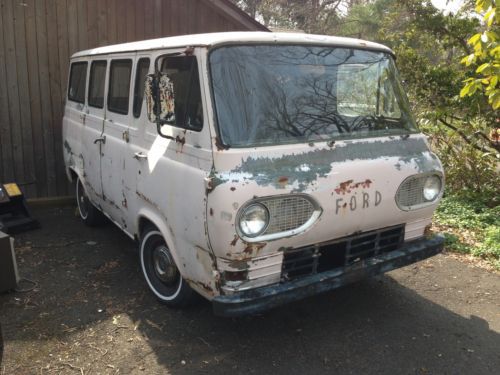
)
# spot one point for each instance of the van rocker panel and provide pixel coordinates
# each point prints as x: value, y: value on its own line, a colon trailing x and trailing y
x: 255, y: 300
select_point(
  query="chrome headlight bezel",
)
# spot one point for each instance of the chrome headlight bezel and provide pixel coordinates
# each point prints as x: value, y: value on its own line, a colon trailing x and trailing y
x: 420, y: 179
x: 432, y: 182
x: 246, y: 211
x: 273, y: 234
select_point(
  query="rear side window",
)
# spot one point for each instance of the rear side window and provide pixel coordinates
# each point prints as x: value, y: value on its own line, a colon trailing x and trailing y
x: 97, y: 81
x: 77, y: 82
x: 183, y: 72
x: 119, y: 86
x: 140, y: 77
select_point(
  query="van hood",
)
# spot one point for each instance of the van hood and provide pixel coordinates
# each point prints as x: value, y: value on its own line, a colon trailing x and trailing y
x: 354, y: 182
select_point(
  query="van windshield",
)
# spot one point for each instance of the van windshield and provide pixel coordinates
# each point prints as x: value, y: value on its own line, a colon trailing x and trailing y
x: 276, y: 94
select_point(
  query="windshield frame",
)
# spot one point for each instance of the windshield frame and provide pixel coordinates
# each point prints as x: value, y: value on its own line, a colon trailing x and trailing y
x: 222, y: 145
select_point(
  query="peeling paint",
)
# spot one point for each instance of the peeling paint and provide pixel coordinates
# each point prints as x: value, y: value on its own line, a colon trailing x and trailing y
x: 305, y: 168
x: 349, y: 185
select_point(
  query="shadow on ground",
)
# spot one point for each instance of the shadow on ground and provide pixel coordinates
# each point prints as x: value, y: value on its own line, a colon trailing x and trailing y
x: 92, y: 313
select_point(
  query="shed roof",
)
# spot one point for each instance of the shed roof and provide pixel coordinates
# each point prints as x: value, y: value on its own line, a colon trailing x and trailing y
x: 214, y: 39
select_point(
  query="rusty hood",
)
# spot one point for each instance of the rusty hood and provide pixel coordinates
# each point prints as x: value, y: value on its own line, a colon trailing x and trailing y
x: 354, y: 182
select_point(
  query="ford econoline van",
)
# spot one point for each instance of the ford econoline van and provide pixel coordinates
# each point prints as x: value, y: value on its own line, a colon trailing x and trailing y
x: 252, y: 168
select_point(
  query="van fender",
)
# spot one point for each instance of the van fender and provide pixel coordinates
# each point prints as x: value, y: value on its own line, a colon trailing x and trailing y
x: 160, y: 222
x: 200, y: 274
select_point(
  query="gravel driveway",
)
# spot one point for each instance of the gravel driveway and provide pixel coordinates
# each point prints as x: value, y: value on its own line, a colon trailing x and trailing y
x: 91, y: 313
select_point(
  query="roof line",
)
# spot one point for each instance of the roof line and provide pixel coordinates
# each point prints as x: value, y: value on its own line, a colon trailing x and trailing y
x: 227, y: 8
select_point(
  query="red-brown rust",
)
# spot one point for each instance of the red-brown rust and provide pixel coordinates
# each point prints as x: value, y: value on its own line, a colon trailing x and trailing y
x: 348, y: 186
x: 235, y: 239
x: 220, y: 146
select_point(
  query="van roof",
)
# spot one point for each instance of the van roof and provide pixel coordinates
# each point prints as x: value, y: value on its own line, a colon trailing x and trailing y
x: 214, y: 39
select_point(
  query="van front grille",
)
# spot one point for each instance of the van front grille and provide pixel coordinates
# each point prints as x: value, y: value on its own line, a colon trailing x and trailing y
x: 342, y: 252
x: 288, y: 213
x: 410, y: 192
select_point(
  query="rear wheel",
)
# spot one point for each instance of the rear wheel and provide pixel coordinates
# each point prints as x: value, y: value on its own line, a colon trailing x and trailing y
x: 160, y: 271
x: 88, y: 212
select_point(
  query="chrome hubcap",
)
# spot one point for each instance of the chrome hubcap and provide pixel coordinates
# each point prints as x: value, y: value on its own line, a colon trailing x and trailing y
x: 164, y: 266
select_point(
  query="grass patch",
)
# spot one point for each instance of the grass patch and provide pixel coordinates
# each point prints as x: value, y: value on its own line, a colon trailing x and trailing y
x: 471, y: 223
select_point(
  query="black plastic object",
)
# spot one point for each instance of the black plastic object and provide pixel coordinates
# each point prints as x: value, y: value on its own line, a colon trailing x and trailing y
x: 15, y: 216
x: 9, y: 277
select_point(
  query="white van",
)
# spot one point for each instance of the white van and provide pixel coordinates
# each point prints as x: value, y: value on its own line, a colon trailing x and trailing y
x: 253, y: 168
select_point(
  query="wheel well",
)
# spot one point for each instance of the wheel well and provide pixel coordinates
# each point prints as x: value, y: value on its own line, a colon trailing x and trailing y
x: 143, y: 224
x: 74, y: 175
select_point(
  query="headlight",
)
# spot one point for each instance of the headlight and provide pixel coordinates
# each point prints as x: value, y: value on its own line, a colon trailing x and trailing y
x: 432, y: 187
x: 254, y: 220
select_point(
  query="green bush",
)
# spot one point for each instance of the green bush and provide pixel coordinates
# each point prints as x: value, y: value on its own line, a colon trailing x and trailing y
x: 472, y: 224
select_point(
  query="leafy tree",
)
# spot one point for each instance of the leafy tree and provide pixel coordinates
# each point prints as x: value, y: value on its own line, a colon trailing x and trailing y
x: 486, y: 54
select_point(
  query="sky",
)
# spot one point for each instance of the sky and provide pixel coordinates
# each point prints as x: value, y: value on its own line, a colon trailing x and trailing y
x: 448, y: 5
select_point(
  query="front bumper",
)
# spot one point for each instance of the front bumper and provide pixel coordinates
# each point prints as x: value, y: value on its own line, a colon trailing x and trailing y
x: 255, y: 300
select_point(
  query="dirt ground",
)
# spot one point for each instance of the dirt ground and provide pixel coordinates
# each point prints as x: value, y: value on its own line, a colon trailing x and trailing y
x: 91, y: 313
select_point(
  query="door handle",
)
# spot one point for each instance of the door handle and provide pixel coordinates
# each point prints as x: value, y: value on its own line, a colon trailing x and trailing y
x: 100, y: 140
x: 140, y: 155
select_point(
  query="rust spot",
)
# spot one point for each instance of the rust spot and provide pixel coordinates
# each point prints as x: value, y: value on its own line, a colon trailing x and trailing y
x: 344, y: 187
x: 344, y: 205
x: 146, y: 199
x: 181, y: 140
x: 239, y: 264
x: 235, y: 239
x: 220, y: 146
x: 189, y: 51
x: 283, y: 180
x: 205, y: 286
x: 254, y: 248
x: 233, y: 188
x: 348, y: 186
x: 211, y: 211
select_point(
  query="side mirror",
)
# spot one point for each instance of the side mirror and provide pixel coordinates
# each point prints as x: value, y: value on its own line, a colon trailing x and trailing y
x: 160, y: 103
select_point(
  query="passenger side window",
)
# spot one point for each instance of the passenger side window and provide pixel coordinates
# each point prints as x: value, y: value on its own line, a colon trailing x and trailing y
x: 119, y: 86
x: 77, y: 82
x: 183, y: 72
x: 140, y: 77
x: 96, y: 86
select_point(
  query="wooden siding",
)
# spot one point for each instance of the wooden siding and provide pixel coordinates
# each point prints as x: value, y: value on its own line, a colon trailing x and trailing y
x: 37, y: 37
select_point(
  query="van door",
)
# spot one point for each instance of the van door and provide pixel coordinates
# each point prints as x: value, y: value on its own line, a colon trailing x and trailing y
x: 93, y: 139
x: 171, y: 171
x: 135, y: 154
x: 116, y: 130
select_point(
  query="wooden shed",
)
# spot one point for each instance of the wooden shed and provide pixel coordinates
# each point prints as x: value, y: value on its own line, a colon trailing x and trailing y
x: 37, y: 37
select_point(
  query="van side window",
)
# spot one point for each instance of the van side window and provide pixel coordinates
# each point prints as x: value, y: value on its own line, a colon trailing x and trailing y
x: 77, y: 82
x: 140, y: 77
x: 96, y: 85
x: 183, y: 72
x: 119, y: 86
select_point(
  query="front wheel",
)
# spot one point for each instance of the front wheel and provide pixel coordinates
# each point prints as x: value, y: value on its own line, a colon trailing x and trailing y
x: 160, y: 271
x: 88, y: 212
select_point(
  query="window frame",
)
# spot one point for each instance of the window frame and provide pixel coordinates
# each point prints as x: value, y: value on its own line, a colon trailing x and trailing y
x: 195, y: 70
x: 94, y: 63
x: 136, y: 112
x: 73, y: 64
x: 111, y: 109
